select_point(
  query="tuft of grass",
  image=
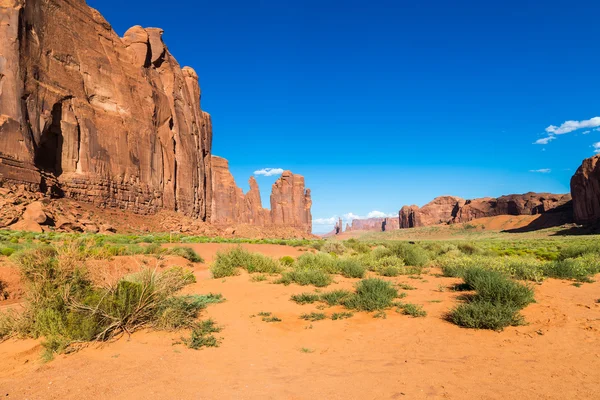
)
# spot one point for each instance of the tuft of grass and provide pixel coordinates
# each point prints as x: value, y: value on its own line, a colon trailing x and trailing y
x: 313, y: 316
x: 334, y: 297
x: 371, y: 294
x: 485, y: 315
x: 405, y: 286
x: 334, y: 247
x: 413, y: 310
x: 186, y: 252
x: 380, y: 314
x: 307, y: 350
x: 287, y: 261
x: 258, y: 278
x: 341, y: 315
x: 318, y: 261
x: 305, y: 298
x: 271, y: 319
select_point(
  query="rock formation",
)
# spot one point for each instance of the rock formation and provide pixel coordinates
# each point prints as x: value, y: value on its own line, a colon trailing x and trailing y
x: 585, y: 189
x: 375, y: 224
x: 116, y: 122
x: 449, y: 209
x: 290, y: 201
x: 112, y: 121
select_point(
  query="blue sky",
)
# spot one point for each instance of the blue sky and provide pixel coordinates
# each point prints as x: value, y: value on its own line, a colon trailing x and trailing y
x: 385, y: 103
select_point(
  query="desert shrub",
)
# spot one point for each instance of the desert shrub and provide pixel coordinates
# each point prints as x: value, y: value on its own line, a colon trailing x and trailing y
x: 413, y: 310
x: 228, y: 263
x: 334, y: 247
x: 341, y: 315
x: 334, y: 297
x: 305, y: 298
x: 412, y: 254
x: 580, y: 268
x: 485, y: 315
x: 371, y: 294
x: 351, y: 268
x: 575, y: 250
x: 381, y: 252
x: 258, y: 278
x: 65, y: 307
x: 468, y: 248
x: 304, y: 277
x: 313, y: 316
x: 359, y: 247
x: 201, y: 335
x: 186, y: 252
x: 286, y: 261
x: 317, y: 245
x: 496, y: 302
x: 318, y: 261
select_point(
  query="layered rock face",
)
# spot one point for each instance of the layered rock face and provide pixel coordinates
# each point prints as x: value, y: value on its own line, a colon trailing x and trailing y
x: 449, y: 209
x: 290, y: 201
x: 95, y: 117
x: 585, y: 189
x: 375, y: 224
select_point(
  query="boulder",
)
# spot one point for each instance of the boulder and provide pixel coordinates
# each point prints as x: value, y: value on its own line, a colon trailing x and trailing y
x: 26, y: 225
x: 35, y: 212
x: 585, y: 189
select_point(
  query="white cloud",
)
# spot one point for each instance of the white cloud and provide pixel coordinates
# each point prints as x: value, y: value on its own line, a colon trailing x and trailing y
x: 545, y: 140
x: 596, y: 147
x: 269, y: 171
x: 541, y: 171
x: 570, y: 126
x: 325, y: 221
x: 379, y: 214
x: 585, y: 132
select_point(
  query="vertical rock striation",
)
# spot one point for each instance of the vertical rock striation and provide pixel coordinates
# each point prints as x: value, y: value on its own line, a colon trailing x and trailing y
x: 585, y: 189
x: 89, y: 115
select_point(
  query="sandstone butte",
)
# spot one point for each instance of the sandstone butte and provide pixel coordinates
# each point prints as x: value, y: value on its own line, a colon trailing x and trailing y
x: 116, y: 122
x: 585, y: 189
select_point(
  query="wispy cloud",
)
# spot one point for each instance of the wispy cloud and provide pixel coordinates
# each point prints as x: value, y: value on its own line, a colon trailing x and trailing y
x: 586, y: 132
x: 596, y: 147
x: 325, y: 221
x: 541, y: 170
x: 269, y: 171
x: 545, y: 140
x: 570, y: 126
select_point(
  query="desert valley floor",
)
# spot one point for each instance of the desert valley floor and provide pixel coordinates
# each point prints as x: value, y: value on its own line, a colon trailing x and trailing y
x: 554, y: 356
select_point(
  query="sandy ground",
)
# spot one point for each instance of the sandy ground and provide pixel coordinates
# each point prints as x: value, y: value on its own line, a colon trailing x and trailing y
x: 556, y: 356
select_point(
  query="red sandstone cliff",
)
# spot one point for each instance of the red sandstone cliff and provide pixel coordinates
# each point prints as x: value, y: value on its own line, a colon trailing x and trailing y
x: 374, y: 224
x: 585, y: 189
x: 448, y: 209
x: 290, y: 201
x: 116, y: 121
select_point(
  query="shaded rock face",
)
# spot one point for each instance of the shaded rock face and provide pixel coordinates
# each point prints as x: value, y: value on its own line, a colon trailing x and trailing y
x: 95, y: 117
x: 290, y: 201
x: 375, y: 224
x: 585, y: 189
x: 449, y: 209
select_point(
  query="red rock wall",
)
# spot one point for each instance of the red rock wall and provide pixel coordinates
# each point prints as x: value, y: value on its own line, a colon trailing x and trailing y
x: 290, y: 201
x: 108, y: 120
x: 374, y: 224
x: 585, y: 189
x: 448, y: 209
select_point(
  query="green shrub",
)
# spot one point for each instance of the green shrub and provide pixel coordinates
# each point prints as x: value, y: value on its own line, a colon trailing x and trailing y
x: 186, y: 252
x: 334, y: 297
x: 318, y: 261
x: 351, y: 268
x: 334, y: 247
x: 580, y: 268
x: 304, y: 277
x: 287, y: 261
x: 201, y: 335
x: 228, y: 263
x: 313, y: 316
x: 371, y: 294
x: 413, y: 310
x: 485, y: 315
x: 305, y: 298
x: 341, y: 315
x: 357, y: 246
x: 412, y: 254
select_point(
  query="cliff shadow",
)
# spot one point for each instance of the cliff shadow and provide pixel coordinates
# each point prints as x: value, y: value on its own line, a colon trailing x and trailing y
x: 545, y: 221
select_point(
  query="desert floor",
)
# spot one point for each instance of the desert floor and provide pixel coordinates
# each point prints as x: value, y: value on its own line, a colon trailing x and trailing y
x: 555, y: 356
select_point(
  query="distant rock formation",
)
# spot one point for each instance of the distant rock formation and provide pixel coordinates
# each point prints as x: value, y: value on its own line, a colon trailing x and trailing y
x: 449, y: 209
x: 585, y: 189
x: 290, y: 201
x: 375, y: 224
